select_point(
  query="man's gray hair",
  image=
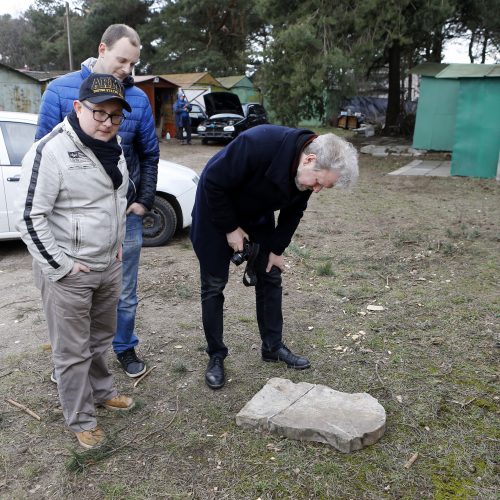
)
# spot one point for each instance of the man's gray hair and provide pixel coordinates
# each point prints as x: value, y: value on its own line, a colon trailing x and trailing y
x: 334, y: 153
x: 116, y: 32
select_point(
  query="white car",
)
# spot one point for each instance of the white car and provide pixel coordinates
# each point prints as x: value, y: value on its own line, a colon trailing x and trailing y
x: 175, y: 190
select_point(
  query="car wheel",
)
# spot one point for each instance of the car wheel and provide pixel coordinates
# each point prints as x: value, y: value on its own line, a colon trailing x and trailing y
x: 159, y: 224
x: 204, y: 141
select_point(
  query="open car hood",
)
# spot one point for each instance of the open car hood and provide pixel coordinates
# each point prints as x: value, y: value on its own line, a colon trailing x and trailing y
x: 222, y: 102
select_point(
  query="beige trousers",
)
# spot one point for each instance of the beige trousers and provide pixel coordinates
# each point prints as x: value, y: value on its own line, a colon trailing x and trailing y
x: 81, y: 319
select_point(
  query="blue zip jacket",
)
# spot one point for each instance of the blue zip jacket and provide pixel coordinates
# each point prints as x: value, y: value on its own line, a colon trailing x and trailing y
x: 181, y: 110
x: 139, y: 141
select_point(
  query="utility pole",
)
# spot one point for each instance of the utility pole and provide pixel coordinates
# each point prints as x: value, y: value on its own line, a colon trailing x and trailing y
x: 68, y: 31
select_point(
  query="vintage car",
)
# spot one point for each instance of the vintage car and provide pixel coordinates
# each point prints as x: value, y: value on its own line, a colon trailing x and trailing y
x: 227, y: 117
x: 175, y: 190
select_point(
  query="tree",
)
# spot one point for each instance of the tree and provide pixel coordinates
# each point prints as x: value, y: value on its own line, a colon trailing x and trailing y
x: 201, y: 35
x: 322, y: 48
x: 12, y: 51
x: 46, y: 39
x: 99, y: 14
x: 308, y: 64
x: 478, y: 20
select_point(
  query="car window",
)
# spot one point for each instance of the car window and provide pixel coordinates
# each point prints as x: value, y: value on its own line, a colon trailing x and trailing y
x: 18, y: 139
x: 196, y: 108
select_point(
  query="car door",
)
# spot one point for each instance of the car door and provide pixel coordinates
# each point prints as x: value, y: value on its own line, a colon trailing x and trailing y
x: 15, y: 140
x: 252, y: 117
x: 261, y: 114
x: 4, y: 160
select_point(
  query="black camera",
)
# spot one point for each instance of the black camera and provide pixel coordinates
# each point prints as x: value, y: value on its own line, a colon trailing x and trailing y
x: 249, y: 252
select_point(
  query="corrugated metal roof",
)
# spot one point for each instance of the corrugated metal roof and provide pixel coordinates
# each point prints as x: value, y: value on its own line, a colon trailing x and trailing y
x: 18, y: 72
x: 44, y: 76
x: 230, y: 81
x: 438, y: 70
x: 428, y: 69
x: 468, y: 71
x: 146, y: 78
x: 186, y: 80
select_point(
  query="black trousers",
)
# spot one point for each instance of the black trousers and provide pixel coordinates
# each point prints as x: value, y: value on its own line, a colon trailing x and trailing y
x: 268, y: 302
x: 186, y: 126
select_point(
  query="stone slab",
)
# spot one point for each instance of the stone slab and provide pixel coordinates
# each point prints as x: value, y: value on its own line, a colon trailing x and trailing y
x: 314, y: 412
x: 429, y: 168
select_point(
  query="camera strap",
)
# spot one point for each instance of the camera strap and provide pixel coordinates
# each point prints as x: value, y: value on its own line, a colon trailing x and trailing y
x: 250, y: 276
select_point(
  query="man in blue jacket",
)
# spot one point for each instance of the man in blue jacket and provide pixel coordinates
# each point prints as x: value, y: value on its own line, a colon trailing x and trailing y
x: 182, y: 118
x: 118, y: 53
x: 265, y: 169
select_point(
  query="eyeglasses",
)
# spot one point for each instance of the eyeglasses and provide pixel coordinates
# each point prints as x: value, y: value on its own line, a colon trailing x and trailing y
x: 101, y: 116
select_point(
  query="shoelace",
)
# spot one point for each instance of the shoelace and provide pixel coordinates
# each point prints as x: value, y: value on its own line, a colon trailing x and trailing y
x: 293, y: 356
x: 130, y: 357
x: 216, y: 361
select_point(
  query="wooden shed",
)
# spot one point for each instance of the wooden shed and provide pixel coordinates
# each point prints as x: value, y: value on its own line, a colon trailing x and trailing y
x: 162, y: 94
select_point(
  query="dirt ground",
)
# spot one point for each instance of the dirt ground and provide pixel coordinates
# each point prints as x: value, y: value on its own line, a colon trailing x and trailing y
x: 426, y: 249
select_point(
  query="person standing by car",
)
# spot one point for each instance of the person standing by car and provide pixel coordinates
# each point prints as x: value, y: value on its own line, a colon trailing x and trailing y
x: 182, y: 109
x: 118, y: 53
x: 71, y: 213
x: 265, y: 169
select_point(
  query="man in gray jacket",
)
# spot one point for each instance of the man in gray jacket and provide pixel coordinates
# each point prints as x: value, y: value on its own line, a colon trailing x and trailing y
x: 71, y: 213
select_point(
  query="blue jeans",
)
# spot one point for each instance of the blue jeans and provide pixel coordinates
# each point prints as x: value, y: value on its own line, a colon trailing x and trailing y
x: 125, y: 337
x: 268, y: 295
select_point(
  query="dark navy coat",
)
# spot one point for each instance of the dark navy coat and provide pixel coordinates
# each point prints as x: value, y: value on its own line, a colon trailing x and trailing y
x: 242, y: 186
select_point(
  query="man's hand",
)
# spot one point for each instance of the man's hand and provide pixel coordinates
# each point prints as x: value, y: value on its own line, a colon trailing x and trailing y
x: 119, y: 255
x: 235, y: 239
x: 79, y: 267
x: 275, y: 260
x: 137, y: 209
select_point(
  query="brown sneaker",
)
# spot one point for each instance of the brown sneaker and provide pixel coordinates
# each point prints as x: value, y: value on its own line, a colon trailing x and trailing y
x: 119, y: 403
x: 91, y: 439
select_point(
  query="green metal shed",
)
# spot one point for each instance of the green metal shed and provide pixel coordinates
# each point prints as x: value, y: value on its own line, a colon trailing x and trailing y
x: 243, y: 87
x: 459, y: 111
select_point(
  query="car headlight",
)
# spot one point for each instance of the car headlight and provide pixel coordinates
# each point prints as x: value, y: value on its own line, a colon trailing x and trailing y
x: 201, y: 128
x: 229, y: 128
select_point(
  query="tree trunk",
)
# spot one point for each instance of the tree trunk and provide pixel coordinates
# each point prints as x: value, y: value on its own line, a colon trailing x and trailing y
x: 393, y: 102
x: 471, y: 45
x: 437, y: 47
x: 485, y: 47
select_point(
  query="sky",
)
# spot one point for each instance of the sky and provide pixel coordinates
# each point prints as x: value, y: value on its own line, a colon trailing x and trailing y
x: 455, y: 52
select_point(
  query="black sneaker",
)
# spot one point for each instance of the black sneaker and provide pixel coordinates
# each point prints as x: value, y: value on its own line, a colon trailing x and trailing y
x: 131, y: 364
x: 284, y: 354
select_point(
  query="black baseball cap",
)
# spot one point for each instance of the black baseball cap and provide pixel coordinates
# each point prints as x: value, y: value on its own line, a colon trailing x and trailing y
x: 98, y: 88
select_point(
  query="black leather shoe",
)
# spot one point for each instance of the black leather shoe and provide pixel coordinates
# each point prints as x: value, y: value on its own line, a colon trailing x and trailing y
x: 214, y: 376
x: 284, y: 354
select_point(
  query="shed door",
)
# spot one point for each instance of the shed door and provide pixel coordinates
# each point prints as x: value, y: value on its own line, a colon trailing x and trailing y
x: 436, y: 114
x: 477, y: 138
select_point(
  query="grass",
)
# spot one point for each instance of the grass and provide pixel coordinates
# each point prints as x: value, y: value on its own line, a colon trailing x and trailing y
x: 426, y: 249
